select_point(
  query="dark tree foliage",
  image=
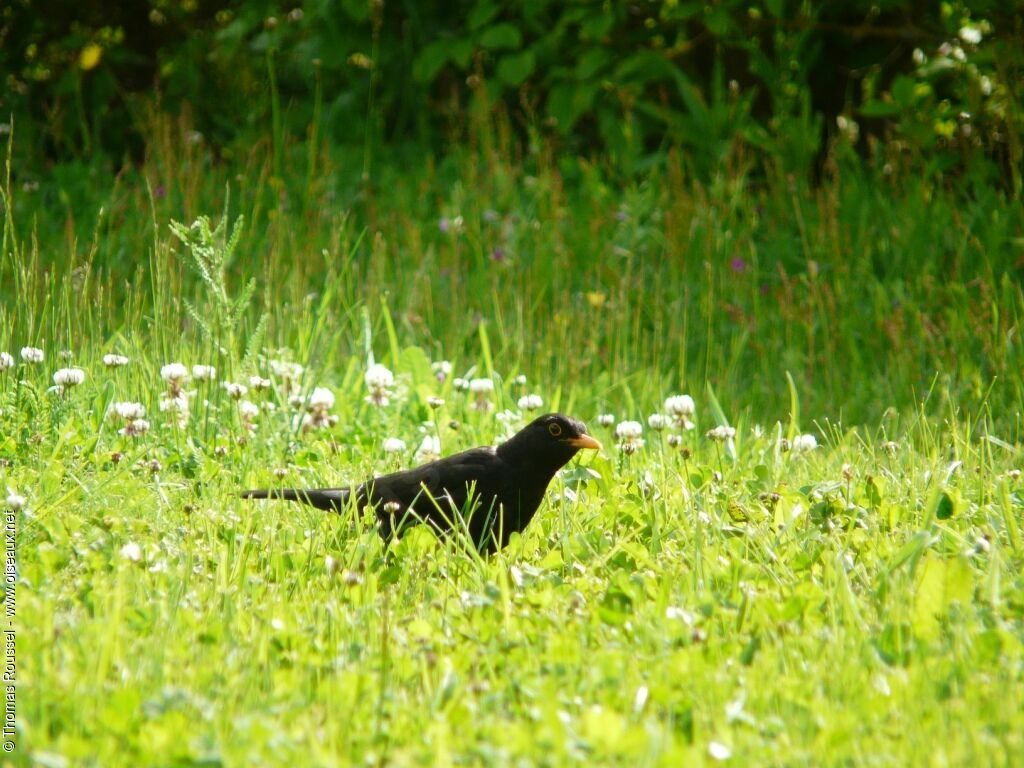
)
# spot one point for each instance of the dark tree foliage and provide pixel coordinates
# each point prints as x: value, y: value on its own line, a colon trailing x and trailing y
x: 920, y: 82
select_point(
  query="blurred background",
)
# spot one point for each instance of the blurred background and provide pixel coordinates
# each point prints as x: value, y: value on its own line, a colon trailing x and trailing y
x: 701, y: 191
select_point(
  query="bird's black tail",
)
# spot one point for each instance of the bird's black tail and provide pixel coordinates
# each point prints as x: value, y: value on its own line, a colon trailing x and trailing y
x: 333, y: 499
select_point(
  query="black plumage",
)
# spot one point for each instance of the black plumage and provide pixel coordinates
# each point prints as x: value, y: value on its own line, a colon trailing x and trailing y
x: 489, y: 493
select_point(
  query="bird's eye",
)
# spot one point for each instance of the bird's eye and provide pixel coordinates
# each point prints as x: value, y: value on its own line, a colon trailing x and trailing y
x: 554, y: 429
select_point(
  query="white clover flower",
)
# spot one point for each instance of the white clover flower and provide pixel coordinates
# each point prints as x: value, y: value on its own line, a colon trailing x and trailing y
x: 442, y: 370
x: 6, y: 361
x: 258, y: 383
x: 69, y: 377
x: 481, y: 388
x: 804, y: 443
x: 478, y: 386
x: 235, y: 391
x: 286, y: 369
x: 15, y: 501
x: 331, y: 565
x: 682, y: 409
x: 129, y: 411
x: 176, y: 404
x: 606, y: 419
x: 460, y: 383
x: 32, y: 354
x: 204, y: 372
x: 629, y: 430
x: 891, y: 447
x: 721, y: 433
x: 430, y: 448
x: 658, y: 421
x: 114, y: 361
x: 435, y: 402
x: 320, y: 402
x: 394, y: 445
x: 628, y: 433
x: 379, y: 377
x: 970, y: 35
x: 321, y: 399
x: 174, y: 373
x: 65, y: 354
x: 135, y: 428
x: 131, y: 552
x: 530, y: 403
x: 520, y: 380
x: 248, y: 410
x: 379, y: 381
x: 680, y: 405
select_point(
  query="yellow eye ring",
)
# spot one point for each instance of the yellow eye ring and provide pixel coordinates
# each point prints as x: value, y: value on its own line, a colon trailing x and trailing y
x: 555, y: 430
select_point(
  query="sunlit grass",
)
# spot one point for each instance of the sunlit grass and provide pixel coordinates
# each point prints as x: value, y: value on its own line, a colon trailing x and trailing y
x: 814, y: 558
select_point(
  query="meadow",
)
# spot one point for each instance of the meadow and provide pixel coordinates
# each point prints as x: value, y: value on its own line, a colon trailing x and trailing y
x: 820, y: 565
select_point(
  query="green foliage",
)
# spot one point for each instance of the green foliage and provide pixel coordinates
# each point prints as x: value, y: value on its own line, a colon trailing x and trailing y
x: 779, y: 85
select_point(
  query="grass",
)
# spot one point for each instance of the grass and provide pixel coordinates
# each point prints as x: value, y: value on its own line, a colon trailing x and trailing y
x: 857, y: 604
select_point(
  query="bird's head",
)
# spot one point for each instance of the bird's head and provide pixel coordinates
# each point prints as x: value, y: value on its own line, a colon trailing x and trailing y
x: 550, y: 440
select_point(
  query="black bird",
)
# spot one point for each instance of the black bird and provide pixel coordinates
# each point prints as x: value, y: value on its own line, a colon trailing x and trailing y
x: 489, y: 493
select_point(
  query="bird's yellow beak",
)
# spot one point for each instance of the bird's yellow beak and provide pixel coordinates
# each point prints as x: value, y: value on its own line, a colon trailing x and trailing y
x: 584, y: 441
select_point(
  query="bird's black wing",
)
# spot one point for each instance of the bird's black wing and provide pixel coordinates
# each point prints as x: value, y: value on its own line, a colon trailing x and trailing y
x: 440, y: 492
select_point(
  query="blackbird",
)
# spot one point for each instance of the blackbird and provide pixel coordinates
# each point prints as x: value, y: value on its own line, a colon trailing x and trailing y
x: 489, y: 493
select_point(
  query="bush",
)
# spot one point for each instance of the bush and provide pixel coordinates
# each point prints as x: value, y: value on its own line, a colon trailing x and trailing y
x: 932, y: 86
